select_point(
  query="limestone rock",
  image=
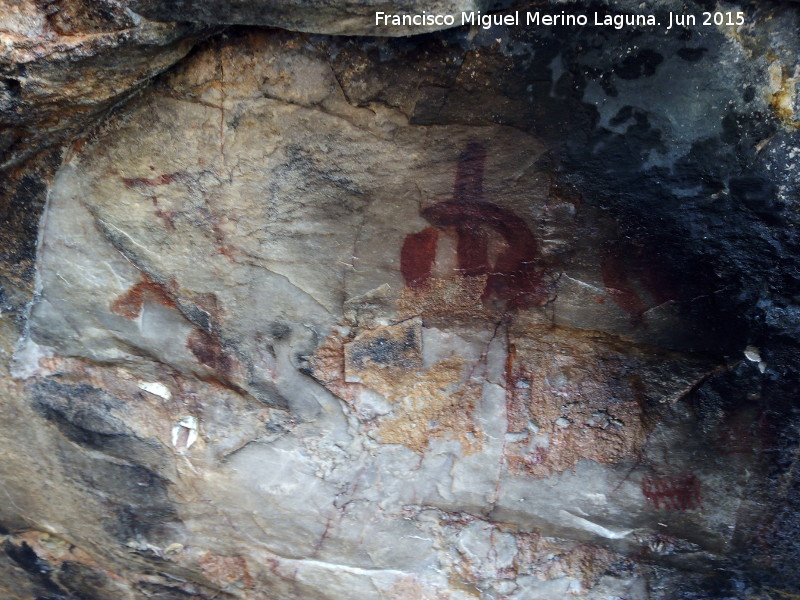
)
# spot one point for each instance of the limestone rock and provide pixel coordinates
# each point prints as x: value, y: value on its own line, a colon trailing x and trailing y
x: 350, y: 17
x: 63, y: 64
x: 465, y: 315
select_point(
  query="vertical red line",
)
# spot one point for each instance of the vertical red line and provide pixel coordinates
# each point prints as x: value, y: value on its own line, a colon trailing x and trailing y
x: 472, y: 249
x: 469, y: 174
x: 418, y: 255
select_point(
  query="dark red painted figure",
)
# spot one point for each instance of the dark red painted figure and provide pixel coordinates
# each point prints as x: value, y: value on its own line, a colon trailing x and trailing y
x: 514, y: 277
x: 418, y: 255
x: 679, y: 492
x: 736, y: 437
x: 622, y: 264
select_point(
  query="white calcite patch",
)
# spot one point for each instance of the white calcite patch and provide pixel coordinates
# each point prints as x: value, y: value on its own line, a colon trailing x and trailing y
x: 184, y: 433
x: 156, y: 388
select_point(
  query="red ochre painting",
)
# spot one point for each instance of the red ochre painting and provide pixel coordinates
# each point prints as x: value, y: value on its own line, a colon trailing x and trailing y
x: 677, y: 492
x: 515, y: 276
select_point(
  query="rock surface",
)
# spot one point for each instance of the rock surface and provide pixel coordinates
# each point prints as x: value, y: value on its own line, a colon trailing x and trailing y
x: 486, y: 313
x: 349, y: 17
x: 63, y: 64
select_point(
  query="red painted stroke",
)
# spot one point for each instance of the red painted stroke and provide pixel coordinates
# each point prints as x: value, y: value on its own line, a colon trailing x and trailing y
x: 622, y: 264
x: 140, y: 182
x: 679, y: 492
x: 417, y: 256
x: 515, y: 276
x: 618, y: 284
x: 469, y: 174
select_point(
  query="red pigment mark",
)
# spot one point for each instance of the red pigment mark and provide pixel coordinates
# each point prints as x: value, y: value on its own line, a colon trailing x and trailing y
x: 514, y: 277
x: 768, y: 430
x: 618, y: 286
x: 517, y: 394
x: 209, y: 303
x: 168, y: 217
x: 469, y: 174
x: 736, y: 437
x: 209, y: 351
x: 514, y: 274
x: 741, y: 435
x: 129, y: 305
x: 417, y: 256
x: 656, y: 281
x: 77, y: 145
x: 679, y: 492
x: 140, y: 182
x: 620, y: 266
x: 220, y: 243
x: 472, y: 250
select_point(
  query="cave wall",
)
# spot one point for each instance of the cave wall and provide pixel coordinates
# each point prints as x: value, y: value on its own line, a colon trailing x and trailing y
x: 503, y: 312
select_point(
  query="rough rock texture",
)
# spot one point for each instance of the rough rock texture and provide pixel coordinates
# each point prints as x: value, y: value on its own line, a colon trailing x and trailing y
x: 62, y: 64
x: 348, y: 17
x: 491, y: 313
